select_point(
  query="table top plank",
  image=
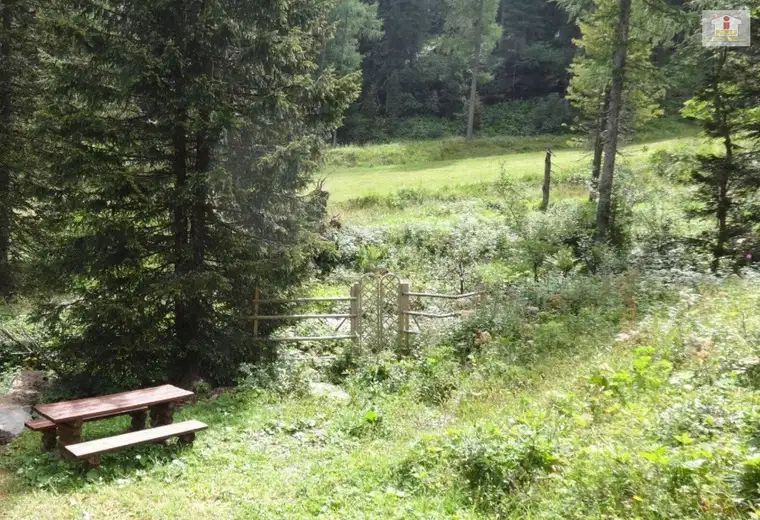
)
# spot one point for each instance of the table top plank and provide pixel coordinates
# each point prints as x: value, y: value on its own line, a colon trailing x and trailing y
x: 110, y: 404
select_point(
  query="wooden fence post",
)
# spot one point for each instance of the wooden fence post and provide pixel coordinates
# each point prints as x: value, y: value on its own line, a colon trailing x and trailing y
x: 356, y: 311
x: 547, y: 180
x: 403, y: 308
x: 257, y: 296
x: 483, y: 297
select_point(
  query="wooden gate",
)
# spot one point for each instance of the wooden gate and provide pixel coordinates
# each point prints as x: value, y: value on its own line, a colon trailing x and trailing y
x: 379, y: 310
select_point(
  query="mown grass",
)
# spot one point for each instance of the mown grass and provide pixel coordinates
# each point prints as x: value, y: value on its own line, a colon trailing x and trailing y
x: 347, y: 183
x: 656, y: 423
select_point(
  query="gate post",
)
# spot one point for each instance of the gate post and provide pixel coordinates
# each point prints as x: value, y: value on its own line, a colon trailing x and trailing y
x: 403, y: 308
x: 356, y: 311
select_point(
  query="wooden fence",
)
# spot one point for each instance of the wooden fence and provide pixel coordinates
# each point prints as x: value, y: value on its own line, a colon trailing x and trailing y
x: 359, y: 327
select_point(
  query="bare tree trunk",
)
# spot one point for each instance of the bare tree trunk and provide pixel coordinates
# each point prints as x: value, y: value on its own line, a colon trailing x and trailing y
x: 547, y: 180
x: 596, y: 167
x: 6, y: 115
x: 475, y: 71
x: 604, y: 207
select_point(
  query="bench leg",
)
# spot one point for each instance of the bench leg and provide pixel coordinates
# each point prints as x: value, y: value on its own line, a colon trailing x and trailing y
x: 187, y: 439
x: 138, y: 421
x: 161, y: 414
x: 49, y: 439
x: 93, y: 461
x: 69, y: 433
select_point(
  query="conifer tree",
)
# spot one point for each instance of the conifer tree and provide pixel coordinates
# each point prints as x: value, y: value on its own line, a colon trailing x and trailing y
x: 17, y: 96
x: 183, y: 134
x: 728, y: 180
x: 471, y: 33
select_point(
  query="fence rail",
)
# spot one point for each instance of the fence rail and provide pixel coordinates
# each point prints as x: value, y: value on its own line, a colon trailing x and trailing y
x: 375, y: 317
x: 303, y: 317
x: 353, y: 317
x: 307, y: 300
x: 446, y: 296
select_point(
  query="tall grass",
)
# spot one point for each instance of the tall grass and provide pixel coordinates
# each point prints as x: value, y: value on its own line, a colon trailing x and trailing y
x: 417, y: 152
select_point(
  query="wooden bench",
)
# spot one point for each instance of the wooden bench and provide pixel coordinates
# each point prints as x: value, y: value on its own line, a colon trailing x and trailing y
x: 92, y: 450
x: 49, y: 430
x: 65, y: 419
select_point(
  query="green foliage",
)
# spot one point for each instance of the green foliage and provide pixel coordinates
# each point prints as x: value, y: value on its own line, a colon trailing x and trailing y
x: 548, y: 115
x: 487, y: 464
x: 418, y: 152
x: 178, y: 161
x: 727, y: 182
x: 353, y: 21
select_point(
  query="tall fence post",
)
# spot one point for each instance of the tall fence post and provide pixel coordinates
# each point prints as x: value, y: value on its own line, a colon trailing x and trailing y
x: 547, y: 180
x: 356, y: 311
x: 257, y: 296
x: 403, y: 308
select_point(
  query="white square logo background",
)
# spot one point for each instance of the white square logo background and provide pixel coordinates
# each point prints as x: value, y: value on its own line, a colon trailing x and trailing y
x: 726, y: 28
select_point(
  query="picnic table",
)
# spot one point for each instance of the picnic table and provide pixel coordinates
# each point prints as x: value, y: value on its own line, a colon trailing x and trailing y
x: 62, y: 422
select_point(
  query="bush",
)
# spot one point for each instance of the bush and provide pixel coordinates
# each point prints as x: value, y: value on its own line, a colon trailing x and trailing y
x: 548, y: 115
x: 486, y: 464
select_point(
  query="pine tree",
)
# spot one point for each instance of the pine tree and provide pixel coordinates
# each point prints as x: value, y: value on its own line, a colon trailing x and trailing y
x: 534, y: 52
x: 183, y: 134
x: 471, y: 33
x: 591, y: 80
x: 728, y: 181
x: 17, y: 95
x: 354, y: 21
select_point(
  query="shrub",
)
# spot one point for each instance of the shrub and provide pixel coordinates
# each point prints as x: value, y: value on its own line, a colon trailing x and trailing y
x: 547, y: 115
x: 486, y: 464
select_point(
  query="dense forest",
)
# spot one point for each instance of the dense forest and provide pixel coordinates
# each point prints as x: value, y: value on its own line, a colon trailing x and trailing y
x: 424, y: 59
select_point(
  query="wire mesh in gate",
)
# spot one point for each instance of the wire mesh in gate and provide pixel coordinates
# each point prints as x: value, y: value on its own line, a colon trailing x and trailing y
x: 380, y: 310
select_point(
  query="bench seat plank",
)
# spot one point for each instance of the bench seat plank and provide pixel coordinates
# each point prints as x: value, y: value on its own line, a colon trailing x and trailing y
x: 87, y: 449
x: 38, y: 425
x: 84, y: 409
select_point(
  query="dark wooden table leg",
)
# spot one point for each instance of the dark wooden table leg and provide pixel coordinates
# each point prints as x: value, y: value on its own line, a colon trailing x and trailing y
x: 187, y: 439
x: 69, y: 433
x: 93, y: 461
x: 138, y: 421
x: 49, y: 439
x: 162, y: 414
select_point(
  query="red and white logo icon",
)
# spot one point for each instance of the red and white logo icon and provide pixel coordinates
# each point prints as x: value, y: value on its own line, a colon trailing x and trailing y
x: 726, y: 26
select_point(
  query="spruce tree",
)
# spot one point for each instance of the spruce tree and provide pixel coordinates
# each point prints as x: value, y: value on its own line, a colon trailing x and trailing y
x: 17, y: 96
x: 728, y: 180
x: 182, y: 138
x: 471, y: 33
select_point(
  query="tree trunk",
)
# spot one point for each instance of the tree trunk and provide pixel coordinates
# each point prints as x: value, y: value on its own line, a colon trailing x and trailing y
x: 6, y: 197
x: 723, y: 202
x: 596, y: 167
x: 475, y: 71
x: 547, y: 180
x: 604, y: 207
x: 181, y: 224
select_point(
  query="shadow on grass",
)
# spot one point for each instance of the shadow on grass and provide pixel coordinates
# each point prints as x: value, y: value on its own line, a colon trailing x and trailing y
x: 24, y: 468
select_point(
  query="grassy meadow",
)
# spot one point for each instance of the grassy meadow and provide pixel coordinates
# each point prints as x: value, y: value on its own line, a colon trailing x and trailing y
x: 628, y: 391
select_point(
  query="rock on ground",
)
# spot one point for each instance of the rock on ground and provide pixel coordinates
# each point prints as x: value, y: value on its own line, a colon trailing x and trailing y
x: 16, y: 404
x: 328, y: 390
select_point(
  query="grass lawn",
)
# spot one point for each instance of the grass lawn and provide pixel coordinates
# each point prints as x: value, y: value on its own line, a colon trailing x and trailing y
x: 345, y: 183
